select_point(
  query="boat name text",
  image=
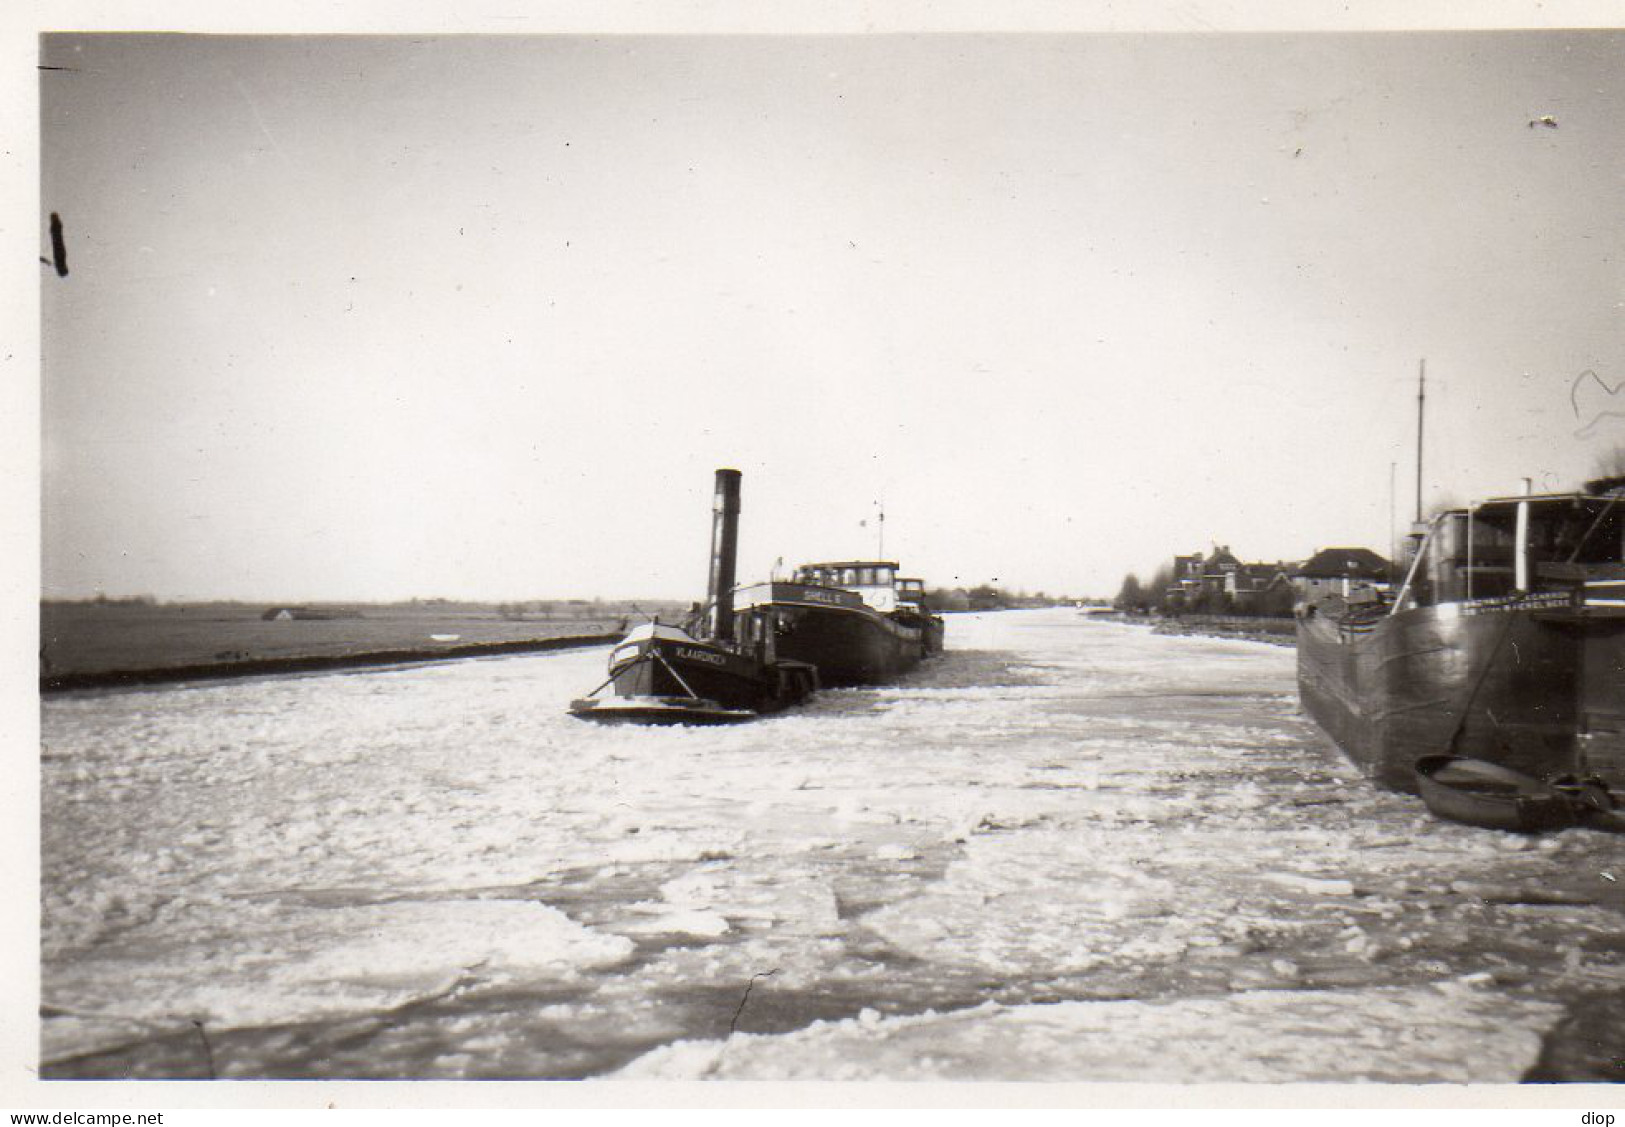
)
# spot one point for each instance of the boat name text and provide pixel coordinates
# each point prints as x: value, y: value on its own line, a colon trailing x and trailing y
x: 686, y: 654
x: 821, y: 597
x: 1535, y: 600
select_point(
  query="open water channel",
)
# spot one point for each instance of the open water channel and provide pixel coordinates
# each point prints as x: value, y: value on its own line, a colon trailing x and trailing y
x: 1065, y: 850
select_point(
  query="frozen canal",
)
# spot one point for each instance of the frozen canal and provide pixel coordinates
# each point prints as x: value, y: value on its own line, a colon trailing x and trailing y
x: 1066, y: 850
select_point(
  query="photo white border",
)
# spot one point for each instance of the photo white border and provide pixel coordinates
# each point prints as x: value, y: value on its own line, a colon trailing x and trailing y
x: 20, y: 26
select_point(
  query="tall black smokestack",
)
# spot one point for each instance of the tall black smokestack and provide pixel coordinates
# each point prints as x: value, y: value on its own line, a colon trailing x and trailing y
x: 719, y: 594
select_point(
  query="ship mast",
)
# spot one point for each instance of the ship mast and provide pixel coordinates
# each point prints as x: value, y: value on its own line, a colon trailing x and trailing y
x: 1421, y: 400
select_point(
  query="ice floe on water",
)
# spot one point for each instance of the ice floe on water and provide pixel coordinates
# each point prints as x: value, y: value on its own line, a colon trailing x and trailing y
x: 1040, y: 856
x: 1393, y: 1035
x: 269, y: 962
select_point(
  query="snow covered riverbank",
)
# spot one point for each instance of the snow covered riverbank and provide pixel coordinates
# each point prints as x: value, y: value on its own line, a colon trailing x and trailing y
x: 1066, y: 850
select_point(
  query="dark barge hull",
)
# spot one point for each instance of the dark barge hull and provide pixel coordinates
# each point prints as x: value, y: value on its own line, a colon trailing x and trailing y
x: 1603, y: 699
x: 852, y: 648
x: 849, y: 642
x: 1504, y: 686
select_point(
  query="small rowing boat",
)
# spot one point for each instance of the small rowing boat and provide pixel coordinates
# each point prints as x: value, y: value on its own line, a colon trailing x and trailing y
x: 1476, y: 792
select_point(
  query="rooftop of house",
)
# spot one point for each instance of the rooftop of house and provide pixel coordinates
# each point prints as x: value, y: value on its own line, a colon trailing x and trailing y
x: 1344, y: 563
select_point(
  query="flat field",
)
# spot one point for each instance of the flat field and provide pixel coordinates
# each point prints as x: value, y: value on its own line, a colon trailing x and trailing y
x: 79, y: 638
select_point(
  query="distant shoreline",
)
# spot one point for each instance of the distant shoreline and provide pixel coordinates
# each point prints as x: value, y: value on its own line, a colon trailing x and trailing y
x: 116, y: 645
x: 320, y: 663
x: 1271, y: 631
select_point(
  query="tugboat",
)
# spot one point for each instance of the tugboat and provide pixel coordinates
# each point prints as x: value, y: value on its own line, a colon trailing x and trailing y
x: 1505, y: 644
x: 852, y: 619
x: 722, y: 667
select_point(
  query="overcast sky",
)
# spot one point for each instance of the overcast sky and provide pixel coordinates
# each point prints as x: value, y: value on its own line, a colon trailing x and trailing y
x: 373, y: 318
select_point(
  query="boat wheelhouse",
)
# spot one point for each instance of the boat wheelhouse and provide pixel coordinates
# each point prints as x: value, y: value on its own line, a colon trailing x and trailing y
x: 1505, y: 643
x: 911, y: 604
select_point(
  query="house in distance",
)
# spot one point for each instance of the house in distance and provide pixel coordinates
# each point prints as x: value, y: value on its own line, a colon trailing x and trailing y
x: 1345, y: 573
x: 1221, y: 583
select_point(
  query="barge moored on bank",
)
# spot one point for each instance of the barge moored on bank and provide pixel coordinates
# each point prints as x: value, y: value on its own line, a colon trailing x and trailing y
x: 1505, y: 643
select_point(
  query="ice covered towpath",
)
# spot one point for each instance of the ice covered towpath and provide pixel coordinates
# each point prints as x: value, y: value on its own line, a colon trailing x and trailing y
x: 1066, y: 850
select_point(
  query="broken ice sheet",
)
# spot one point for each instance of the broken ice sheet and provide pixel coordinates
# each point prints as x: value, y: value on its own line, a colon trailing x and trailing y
x: 1451, y: 1034
x: 954, y: 839
x: 301, y: 963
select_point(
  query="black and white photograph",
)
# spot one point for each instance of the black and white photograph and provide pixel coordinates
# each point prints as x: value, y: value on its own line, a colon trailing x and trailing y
x: 872, y: 553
